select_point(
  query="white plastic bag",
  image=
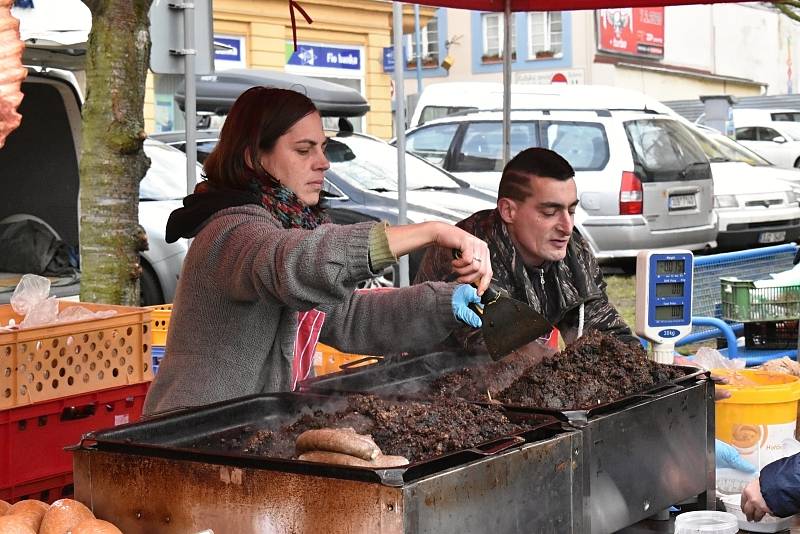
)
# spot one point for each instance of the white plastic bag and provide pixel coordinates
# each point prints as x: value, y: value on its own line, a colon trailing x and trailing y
x: 709, y: 358
x: 30, y: 291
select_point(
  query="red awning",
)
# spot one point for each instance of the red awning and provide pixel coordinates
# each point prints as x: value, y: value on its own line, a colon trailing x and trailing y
x: 553, y: 5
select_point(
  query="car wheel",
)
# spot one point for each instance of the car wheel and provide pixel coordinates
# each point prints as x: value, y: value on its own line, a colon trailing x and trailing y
x: 150, y: 292
x: 797, y: 163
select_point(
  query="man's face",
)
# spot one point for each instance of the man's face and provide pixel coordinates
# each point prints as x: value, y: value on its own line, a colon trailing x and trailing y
x: 542, y: 225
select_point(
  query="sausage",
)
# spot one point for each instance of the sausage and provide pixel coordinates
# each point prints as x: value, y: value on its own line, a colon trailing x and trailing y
x: 327, y: 457
x: 338, y: 458
x: 342, y: 440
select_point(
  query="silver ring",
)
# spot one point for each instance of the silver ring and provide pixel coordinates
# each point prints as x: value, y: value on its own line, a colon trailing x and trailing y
x: 477, y: 259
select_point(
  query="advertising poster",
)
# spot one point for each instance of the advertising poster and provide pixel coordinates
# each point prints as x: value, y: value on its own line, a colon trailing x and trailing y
x: 635, y: 31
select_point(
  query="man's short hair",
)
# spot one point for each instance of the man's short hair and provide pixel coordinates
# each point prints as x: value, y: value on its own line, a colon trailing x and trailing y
x: 515, y: 183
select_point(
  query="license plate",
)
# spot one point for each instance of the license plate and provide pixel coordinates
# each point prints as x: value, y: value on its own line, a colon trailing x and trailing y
x: 771, y: 237
x: 682, y: 202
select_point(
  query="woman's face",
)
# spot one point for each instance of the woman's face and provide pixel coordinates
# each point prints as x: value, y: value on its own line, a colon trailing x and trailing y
x: 298, y: 159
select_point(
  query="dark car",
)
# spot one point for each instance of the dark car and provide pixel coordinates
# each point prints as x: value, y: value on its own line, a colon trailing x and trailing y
x: 361, y: 184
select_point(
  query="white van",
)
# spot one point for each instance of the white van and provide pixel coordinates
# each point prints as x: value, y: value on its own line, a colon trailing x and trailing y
x: 448, y: 98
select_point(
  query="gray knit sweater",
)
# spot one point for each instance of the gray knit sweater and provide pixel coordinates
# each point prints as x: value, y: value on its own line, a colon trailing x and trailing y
x: 244, y: 278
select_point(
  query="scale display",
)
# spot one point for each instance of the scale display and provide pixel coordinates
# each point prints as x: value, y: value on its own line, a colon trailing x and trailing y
x: 664, y: 298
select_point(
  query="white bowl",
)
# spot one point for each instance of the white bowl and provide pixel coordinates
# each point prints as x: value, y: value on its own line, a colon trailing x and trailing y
x: 769, y: 523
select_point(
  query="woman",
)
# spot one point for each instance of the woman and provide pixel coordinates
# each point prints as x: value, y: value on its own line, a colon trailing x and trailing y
x: 261, y: 254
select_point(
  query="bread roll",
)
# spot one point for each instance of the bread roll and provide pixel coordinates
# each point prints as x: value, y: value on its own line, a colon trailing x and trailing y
x: 63, y: 515
x: 96, y: 526
x: 15, y: 524
x: 30, y: 509
x: 4, y: 506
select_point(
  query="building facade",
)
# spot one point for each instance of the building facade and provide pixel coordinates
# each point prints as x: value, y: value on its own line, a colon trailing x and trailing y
x: 669, y: 53
x: 344, y: 44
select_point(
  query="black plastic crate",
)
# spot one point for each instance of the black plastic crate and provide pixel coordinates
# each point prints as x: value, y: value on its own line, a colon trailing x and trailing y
x: 771, y: 335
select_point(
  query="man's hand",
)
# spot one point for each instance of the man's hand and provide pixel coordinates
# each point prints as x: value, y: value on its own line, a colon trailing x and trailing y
x: 753, y: 504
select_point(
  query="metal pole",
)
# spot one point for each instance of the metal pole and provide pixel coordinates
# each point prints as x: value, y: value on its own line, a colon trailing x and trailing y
x: 507, y: 83
x: 191, y: 96
x: 400, y: 125
x: 418, y: 48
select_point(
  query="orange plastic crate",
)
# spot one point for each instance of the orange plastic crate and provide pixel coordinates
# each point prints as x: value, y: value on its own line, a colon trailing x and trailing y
x: 63, y: 359
x: 160, y: 314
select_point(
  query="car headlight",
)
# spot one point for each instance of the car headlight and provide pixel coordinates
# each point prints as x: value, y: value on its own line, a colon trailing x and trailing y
x: 725, y: 201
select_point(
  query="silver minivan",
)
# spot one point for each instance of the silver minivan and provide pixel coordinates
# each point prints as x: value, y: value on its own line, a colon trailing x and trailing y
x: 643, y: 182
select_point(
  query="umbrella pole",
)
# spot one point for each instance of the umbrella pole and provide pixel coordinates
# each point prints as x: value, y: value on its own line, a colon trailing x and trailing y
x: 507, y: 52
x: 400, y: 125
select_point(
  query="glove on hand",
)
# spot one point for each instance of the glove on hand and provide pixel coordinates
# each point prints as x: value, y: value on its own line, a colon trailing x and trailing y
x: 463, y: 296
x: 728, y: 456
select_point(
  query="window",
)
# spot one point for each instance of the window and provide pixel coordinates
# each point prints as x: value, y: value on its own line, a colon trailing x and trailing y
x: 746, y: 134
x: 492, y: 29
x: 482, y: 147
x: 545, y: 35
x: 430, y: 113
x: 664, y: 147
x: 429, y: 43
x: 583, y: 144
x: 767, y: 134
x: 432, y: 143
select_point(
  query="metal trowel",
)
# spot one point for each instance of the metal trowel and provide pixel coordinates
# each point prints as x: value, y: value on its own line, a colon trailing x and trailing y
x: 508, y: 324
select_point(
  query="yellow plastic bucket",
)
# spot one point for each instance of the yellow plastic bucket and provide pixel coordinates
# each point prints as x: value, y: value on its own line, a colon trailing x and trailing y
x: 759, y: 415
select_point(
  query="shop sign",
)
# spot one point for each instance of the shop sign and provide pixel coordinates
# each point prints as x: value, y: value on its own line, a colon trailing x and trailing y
x: 388, y: 59
x: 545, y: 77
x: 325, y: 57
x: 636, y: 31
x: 229, y: 52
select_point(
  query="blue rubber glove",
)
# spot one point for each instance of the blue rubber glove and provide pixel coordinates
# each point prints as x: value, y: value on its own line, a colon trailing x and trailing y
x: 728, y: 456
x: 463, y: 296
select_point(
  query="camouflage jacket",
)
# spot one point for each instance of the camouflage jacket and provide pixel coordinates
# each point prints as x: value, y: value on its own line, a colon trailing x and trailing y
x: 556, y: 290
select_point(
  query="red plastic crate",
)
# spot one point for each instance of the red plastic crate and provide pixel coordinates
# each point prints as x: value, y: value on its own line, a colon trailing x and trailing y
x: 33, y: 437
x: 48, y: 490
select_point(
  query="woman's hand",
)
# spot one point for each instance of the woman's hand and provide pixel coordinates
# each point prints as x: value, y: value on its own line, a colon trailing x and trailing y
x: 473, y: 264
x: 753, y: 504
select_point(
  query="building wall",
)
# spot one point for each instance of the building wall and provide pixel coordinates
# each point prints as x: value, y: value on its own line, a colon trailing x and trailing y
x: 739, y: 49
x: 266, y: 29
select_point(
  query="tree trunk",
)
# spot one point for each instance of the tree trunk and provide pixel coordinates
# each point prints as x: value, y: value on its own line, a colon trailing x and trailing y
x: 112, y: 159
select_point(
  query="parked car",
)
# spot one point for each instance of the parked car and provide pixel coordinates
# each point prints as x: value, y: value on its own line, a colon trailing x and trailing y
x: 643, y: 182
x: 778, y: 142
x: 205, y: 140
x: 46, y: 188
x: 737, y: 152
x: 361, y: 185
x: 753, y: 207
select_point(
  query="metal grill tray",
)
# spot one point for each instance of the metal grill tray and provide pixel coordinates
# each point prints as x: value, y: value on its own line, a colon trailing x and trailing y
x: 172, y: 434
x: 411, y: 376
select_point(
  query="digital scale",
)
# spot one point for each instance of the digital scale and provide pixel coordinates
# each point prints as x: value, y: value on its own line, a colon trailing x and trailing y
x: 664, y: 299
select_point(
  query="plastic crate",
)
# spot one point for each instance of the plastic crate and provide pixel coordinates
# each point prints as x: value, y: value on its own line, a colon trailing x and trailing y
x: 44, y: 363
x: 32, y: 438
x: 742, y: 301
x: 160, y: 321
x: 771, y: 335
x: 158, y: 355
x: 48, y: 489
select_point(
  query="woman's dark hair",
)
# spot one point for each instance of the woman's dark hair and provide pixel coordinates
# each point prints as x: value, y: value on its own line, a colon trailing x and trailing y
x: 255, y: 122
x: 515, y: 183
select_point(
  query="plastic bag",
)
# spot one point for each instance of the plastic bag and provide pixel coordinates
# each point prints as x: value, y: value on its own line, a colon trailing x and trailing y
x: 80, y: 313
x: 709, y: 358
x: 43, y: 312
x: 30, y: 291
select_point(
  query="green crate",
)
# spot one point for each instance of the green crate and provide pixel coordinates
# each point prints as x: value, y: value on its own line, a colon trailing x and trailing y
x: 743, y: 302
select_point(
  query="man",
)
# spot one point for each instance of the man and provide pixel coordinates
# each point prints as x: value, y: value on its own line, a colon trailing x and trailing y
x: 775, y: 491
x: 535, y: 254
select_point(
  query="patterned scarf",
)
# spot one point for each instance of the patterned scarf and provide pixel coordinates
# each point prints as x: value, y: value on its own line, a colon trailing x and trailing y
x: 284, y: 204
